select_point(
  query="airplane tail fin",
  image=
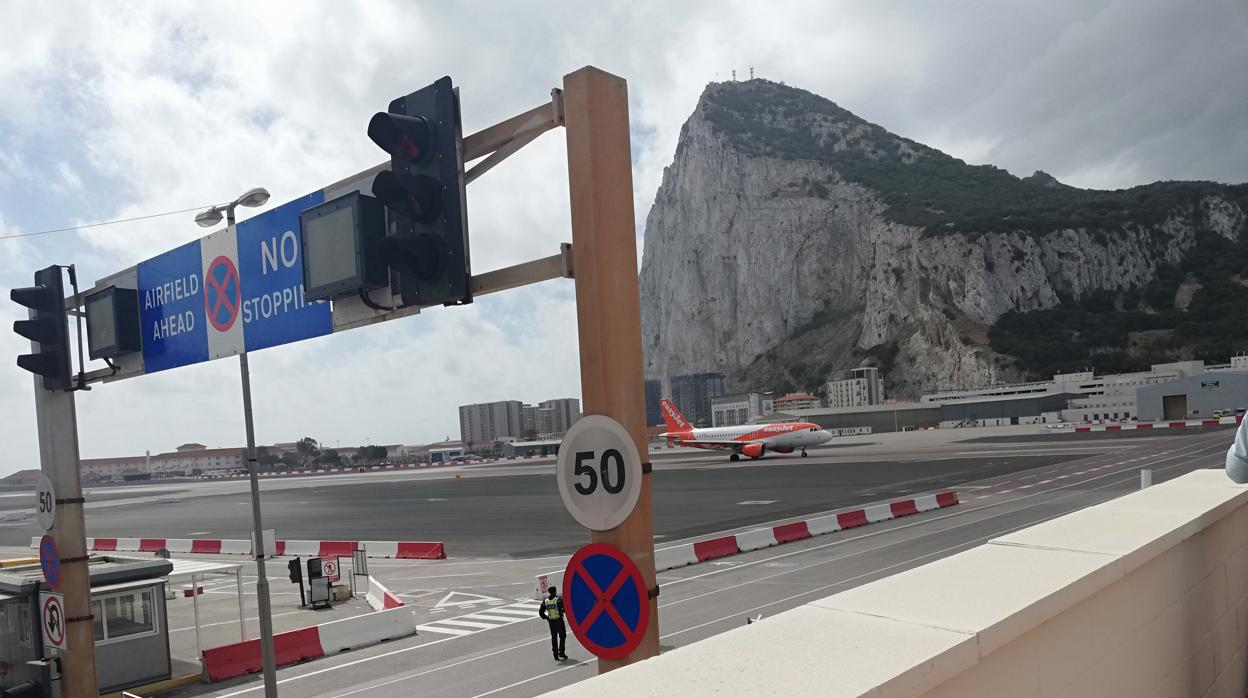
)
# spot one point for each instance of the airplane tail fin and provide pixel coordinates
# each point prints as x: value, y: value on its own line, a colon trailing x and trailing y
x: 672, y: 417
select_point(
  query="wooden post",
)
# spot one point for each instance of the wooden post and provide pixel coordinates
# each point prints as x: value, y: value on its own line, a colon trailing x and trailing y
x: 608, y: 300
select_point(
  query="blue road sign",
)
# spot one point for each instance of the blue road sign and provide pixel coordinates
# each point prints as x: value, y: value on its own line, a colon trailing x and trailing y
x: 50, y: 561
x: 229, y: 292
x: 274, y: 308
x: 606, y: 600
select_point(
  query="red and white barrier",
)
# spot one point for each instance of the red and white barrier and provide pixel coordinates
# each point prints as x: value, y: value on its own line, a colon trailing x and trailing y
x: 380, y: 598
x: 1176, y: 424
x: 292, y: 647
x: 403, y: 550
x: 723, y: 546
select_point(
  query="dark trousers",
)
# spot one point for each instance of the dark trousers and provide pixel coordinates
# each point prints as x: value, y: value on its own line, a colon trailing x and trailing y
x: 558, y: 636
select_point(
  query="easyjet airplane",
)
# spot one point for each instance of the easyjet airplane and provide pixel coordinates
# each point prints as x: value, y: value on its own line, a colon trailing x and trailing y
x: 751, y: 440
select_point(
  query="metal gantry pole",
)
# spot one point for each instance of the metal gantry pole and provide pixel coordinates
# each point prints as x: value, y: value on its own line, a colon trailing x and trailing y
x: 58, y: 456
x: 262, y: 580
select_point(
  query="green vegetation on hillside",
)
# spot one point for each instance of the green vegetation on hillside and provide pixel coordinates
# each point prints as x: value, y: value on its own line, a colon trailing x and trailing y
x: 924, y: 187
x: 1098, y: 329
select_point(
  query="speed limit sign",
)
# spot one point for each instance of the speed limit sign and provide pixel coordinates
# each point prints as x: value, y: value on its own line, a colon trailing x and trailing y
x: 45, y: 507
x: 599, y: 472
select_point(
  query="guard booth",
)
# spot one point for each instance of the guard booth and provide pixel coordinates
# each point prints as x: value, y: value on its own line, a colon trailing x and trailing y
x: 131, y: 630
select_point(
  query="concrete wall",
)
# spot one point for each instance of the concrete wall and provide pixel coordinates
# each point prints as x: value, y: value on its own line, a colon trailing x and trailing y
x: 1145, y: 595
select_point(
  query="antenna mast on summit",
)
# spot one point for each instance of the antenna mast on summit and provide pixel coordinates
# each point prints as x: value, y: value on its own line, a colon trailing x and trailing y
x: 734, y: 74
x: 751, y: 72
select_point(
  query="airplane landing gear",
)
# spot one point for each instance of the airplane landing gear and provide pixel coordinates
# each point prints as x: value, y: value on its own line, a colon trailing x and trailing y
x: 803, y: 453
x: 734, y: 458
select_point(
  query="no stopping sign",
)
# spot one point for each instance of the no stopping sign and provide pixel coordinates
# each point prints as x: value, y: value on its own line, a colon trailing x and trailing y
x: 599, y: 472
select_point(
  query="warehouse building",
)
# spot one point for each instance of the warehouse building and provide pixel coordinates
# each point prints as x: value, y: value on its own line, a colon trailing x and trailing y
x: 902, y: 416
x: 1024, y: 408
x: 1194, y: 397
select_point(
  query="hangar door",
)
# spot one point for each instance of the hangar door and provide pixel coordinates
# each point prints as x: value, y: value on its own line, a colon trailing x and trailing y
x: 1174, y: 406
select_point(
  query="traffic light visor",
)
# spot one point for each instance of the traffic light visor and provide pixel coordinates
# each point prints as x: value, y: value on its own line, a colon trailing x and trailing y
x: 408, y: 138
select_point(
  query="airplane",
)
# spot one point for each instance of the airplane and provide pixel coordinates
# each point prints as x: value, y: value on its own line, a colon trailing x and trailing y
x: 751, y: 440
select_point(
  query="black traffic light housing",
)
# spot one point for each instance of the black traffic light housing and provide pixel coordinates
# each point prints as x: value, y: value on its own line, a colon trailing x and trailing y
x: 423, y: 193
x: 295, y: 568
x: 48, y: 326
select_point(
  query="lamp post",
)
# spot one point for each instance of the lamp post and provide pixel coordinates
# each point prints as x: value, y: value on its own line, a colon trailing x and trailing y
x: 206, y: 219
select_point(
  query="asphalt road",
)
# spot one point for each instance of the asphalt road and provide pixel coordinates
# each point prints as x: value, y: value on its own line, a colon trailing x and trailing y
x: 512, y: 659
x: 521, y: 515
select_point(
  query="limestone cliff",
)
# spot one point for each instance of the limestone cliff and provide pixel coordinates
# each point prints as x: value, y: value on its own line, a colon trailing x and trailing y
x: 790, y: 238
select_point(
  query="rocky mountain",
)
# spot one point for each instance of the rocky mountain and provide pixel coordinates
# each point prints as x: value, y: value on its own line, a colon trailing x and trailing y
x: 791, y: 238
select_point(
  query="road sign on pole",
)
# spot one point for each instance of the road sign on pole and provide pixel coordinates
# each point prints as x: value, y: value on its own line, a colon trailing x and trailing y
x: 599, y: 472
x: 50, y: 561
x: 238, y: 289
x: 45, y: 505
x: 52, y: 620
x: 606, y: 600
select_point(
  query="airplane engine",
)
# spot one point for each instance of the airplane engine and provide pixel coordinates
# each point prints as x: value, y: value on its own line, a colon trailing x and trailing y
x: 754, y: 450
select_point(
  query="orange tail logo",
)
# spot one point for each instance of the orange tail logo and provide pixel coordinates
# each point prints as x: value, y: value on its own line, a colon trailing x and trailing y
x: 672, y: 417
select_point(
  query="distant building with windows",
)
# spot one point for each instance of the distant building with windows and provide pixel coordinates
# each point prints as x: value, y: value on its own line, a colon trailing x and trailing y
x: 857, y: 387
x: 654, y: 393
x: 564, y: 412
x: 740, y: 408
x: 692, y: 395
x: 487, y: 422
x: 796, y: 401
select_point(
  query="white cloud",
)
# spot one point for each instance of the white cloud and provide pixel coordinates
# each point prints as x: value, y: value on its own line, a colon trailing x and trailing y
x: 183, y: 104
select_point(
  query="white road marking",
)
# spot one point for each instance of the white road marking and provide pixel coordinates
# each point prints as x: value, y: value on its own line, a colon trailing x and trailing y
x: 749, y: 502
x: 437, y: 576
x: 484, y: 620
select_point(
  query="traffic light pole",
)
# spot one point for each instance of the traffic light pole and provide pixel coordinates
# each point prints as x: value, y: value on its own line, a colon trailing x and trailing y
x: 608, y: 304
x: 58, y: 457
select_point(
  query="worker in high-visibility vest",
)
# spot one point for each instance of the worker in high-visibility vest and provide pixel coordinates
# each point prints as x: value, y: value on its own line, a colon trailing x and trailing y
x: 552, y: 610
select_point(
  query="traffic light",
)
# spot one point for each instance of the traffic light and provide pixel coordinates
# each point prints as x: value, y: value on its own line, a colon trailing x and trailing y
x: 48, y: 326
x: 296, y: 571
x: 423, y: 193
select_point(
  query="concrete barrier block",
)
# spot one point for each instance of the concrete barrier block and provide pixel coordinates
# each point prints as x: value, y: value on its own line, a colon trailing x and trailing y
x: 823, y: 524
x: 879, y: 512
x: 368, y: 629
x: 756, y: 539
x: 677, y: 556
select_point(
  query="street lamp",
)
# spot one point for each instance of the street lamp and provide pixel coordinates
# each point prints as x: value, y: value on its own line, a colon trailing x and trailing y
x: 206, y: 219
x: 256, y: 196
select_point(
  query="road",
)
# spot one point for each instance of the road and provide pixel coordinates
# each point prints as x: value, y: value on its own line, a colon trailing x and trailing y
x: 515, y: 511
x: 493, y: 650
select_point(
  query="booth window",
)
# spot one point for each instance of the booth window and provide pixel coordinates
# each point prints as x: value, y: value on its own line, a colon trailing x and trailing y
x: 123, y: 615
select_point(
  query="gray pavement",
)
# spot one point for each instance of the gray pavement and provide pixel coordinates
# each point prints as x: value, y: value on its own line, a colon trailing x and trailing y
x: 512, y: 659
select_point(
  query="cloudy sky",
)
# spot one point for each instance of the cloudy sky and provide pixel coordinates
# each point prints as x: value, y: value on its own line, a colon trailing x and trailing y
x: 114, y: 110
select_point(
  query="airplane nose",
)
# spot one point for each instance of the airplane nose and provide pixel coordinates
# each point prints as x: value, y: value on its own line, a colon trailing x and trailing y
x: 824, y: 436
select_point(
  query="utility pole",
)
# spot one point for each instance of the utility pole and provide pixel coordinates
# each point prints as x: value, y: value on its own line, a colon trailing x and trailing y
x: 58, y: 456
x: 608, y: 303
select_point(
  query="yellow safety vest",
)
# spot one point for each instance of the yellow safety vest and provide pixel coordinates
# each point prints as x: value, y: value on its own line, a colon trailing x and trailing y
x: 552, y: 608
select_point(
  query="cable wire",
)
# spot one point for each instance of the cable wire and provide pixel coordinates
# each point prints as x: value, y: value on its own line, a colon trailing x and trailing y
x: 96, y: 225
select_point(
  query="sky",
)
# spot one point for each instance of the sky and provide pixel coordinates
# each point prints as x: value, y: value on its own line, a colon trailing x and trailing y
x: 116, y: 110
